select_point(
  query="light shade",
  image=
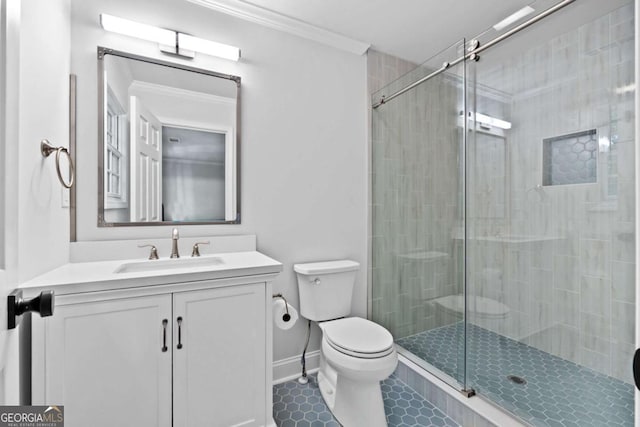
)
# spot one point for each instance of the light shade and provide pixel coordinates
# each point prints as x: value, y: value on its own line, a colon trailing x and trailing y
x: 492, y: 121
x: 196, y: 44
x: 138, y: 30
x: 169, y: 41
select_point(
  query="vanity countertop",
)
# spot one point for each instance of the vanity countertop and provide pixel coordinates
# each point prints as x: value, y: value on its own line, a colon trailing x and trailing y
x: 80, y: 277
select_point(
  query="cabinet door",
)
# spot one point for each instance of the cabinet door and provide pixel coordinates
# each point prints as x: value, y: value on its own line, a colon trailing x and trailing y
x: 104, y: 361
x: 219, y: 357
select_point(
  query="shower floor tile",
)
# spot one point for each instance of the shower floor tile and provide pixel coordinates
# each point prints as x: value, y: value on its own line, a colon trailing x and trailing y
x: 298, y: 405
x: 557, y: 392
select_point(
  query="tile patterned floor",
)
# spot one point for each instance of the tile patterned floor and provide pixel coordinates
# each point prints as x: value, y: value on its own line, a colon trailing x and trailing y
x: 557, y: 392
x: 297, y: 405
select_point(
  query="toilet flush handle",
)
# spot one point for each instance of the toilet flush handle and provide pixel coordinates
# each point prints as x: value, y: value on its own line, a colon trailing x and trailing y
x: 315, y: 281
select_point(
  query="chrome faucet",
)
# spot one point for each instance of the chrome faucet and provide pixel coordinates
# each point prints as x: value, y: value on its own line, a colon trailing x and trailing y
x: 174, y: 244
x: 196, y: 248
x: 154, y: 251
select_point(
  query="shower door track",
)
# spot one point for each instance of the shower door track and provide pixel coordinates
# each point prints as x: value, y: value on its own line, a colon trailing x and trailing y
x: 474, y: 50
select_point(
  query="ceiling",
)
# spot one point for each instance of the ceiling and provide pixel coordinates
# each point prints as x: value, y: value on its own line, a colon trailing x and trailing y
x: 414, y: 30
x: 411, y: 29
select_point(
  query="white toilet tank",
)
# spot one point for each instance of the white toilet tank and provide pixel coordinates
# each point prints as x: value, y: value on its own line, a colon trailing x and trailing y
x: 326, y: 288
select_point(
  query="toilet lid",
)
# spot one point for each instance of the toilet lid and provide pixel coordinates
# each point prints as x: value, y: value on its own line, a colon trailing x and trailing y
x: 359, y: 336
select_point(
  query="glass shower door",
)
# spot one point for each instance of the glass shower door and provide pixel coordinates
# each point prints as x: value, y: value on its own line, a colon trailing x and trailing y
x: 418, y: 215
x: 550, y: 220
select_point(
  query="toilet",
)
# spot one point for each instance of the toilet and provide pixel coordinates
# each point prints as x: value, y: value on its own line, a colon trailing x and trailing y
x: 355, y: 354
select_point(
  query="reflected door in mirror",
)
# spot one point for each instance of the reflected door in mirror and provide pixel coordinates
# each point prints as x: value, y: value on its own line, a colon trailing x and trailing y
x: 169, y: 143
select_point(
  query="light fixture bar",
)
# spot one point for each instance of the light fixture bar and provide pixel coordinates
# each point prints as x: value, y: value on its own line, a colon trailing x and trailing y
x: 138, y: 30
x: 516, y: 16
x: 488, y: 120
x: 492, y: 121
x: 626, y: 89
x: 196, y: 44
x: 170, y: 41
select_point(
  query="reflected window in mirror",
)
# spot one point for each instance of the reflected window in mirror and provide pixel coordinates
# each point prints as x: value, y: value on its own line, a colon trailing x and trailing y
x: 116, y: 148
x: 169, y: 143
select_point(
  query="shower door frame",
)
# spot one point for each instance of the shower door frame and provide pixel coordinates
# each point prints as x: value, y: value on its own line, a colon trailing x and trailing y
x: 637, y: 194
x: 472, y: 55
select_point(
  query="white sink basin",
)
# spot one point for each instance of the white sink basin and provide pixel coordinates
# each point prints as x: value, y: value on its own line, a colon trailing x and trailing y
x: 168, y: 264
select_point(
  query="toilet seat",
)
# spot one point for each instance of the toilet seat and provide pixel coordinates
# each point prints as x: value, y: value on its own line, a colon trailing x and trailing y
x: 358, y: 337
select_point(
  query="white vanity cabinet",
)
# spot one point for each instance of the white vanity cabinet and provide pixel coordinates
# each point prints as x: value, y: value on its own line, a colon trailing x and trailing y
x: 219, y: 372
x: 193, y: 354
x: 102, y: 360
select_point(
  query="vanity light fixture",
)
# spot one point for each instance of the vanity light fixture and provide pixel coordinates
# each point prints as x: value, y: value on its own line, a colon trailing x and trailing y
x: 170, y: 41
x: 492, y: 121
x: 135, y: 29
x: 488, y: 120
x: 622, y: 90
x: 196, y: 44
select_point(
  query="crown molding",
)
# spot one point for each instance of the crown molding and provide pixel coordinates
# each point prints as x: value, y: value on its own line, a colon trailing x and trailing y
x: 154, y: 88
x: 277, y: 21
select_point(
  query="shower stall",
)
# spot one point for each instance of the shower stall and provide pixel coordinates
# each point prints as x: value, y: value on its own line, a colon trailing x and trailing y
x: 503, y: 215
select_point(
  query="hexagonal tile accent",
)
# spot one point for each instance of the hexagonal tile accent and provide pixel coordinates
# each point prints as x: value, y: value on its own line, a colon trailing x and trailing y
x: 403, y: 406
x: 570, y: 159
x: 557, y: 392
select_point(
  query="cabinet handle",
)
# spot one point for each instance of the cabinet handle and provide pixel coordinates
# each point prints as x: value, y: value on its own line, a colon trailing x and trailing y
x: 165, y: 322
x: 179, y: 333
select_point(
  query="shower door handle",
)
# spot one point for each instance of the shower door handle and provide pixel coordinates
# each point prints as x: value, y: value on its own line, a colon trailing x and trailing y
x: 636, y: 368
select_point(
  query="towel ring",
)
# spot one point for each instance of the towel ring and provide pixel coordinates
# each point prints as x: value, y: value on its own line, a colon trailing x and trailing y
x: 46, y: 148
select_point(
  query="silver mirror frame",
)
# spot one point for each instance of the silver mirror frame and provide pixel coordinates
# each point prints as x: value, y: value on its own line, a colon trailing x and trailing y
x: 102, y: 51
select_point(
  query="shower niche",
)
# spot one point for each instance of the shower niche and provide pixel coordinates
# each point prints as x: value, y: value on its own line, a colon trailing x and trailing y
x: 570, y: 159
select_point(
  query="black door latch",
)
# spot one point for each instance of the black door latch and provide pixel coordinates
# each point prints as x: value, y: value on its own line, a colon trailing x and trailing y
x: 636, y: 368
x: 17, y: 306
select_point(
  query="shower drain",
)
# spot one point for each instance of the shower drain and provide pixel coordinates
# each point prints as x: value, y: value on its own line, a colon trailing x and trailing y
x: 516, y: 379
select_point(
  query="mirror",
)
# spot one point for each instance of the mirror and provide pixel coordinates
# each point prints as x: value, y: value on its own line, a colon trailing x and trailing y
x: 168, y: 143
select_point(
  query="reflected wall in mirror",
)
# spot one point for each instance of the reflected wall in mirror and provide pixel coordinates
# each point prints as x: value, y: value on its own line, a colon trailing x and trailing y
x: 169, y: 143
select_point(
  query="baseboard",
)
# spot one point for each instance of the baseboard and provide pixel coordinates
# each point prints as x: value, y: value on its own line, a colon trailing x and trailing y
x: 290, y: 368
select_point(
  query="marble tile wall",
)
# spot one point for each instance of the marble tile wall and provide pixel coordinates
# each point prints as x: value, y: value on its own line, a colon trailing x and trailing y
x: 559, y: 258
x: 414, y: 175
x: 570, y: 287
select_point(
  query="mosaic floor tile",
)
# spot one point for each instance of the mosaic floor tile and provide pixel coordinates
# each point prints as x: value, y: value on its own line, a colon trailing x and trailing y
x: 557, y: 392
x: 297, y: 405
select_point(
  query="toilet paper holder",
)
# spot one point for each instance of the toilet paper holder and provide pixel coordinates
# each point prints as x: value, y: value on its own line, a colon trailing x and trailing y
x: 286, y: 316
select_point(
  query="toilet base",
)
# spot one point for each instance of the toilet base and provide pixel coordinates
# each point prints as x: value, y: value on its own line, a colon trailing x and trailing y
x: 352, y: 402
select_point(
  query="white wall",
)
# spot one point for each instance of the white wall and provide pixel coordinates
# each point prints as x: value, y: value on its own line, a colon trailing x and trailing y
x: 119, y: 78
x: 9, y: 70
x: 303, y: 132
x: 34, y: 69
x: 43, y: 225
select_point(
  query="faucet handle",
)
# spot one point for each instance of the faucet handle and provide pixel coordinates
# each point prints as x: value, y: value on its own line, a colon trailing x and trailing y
x: 154, y: 251
x: 174, y: 234
x: 196, y: 248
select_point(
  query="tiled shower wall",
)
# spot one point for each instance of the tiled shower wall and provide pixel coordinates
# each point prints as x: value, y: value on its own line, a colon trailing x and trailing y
x: 562, y: 257
x: 414, y: 175
x: 383, y: 69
